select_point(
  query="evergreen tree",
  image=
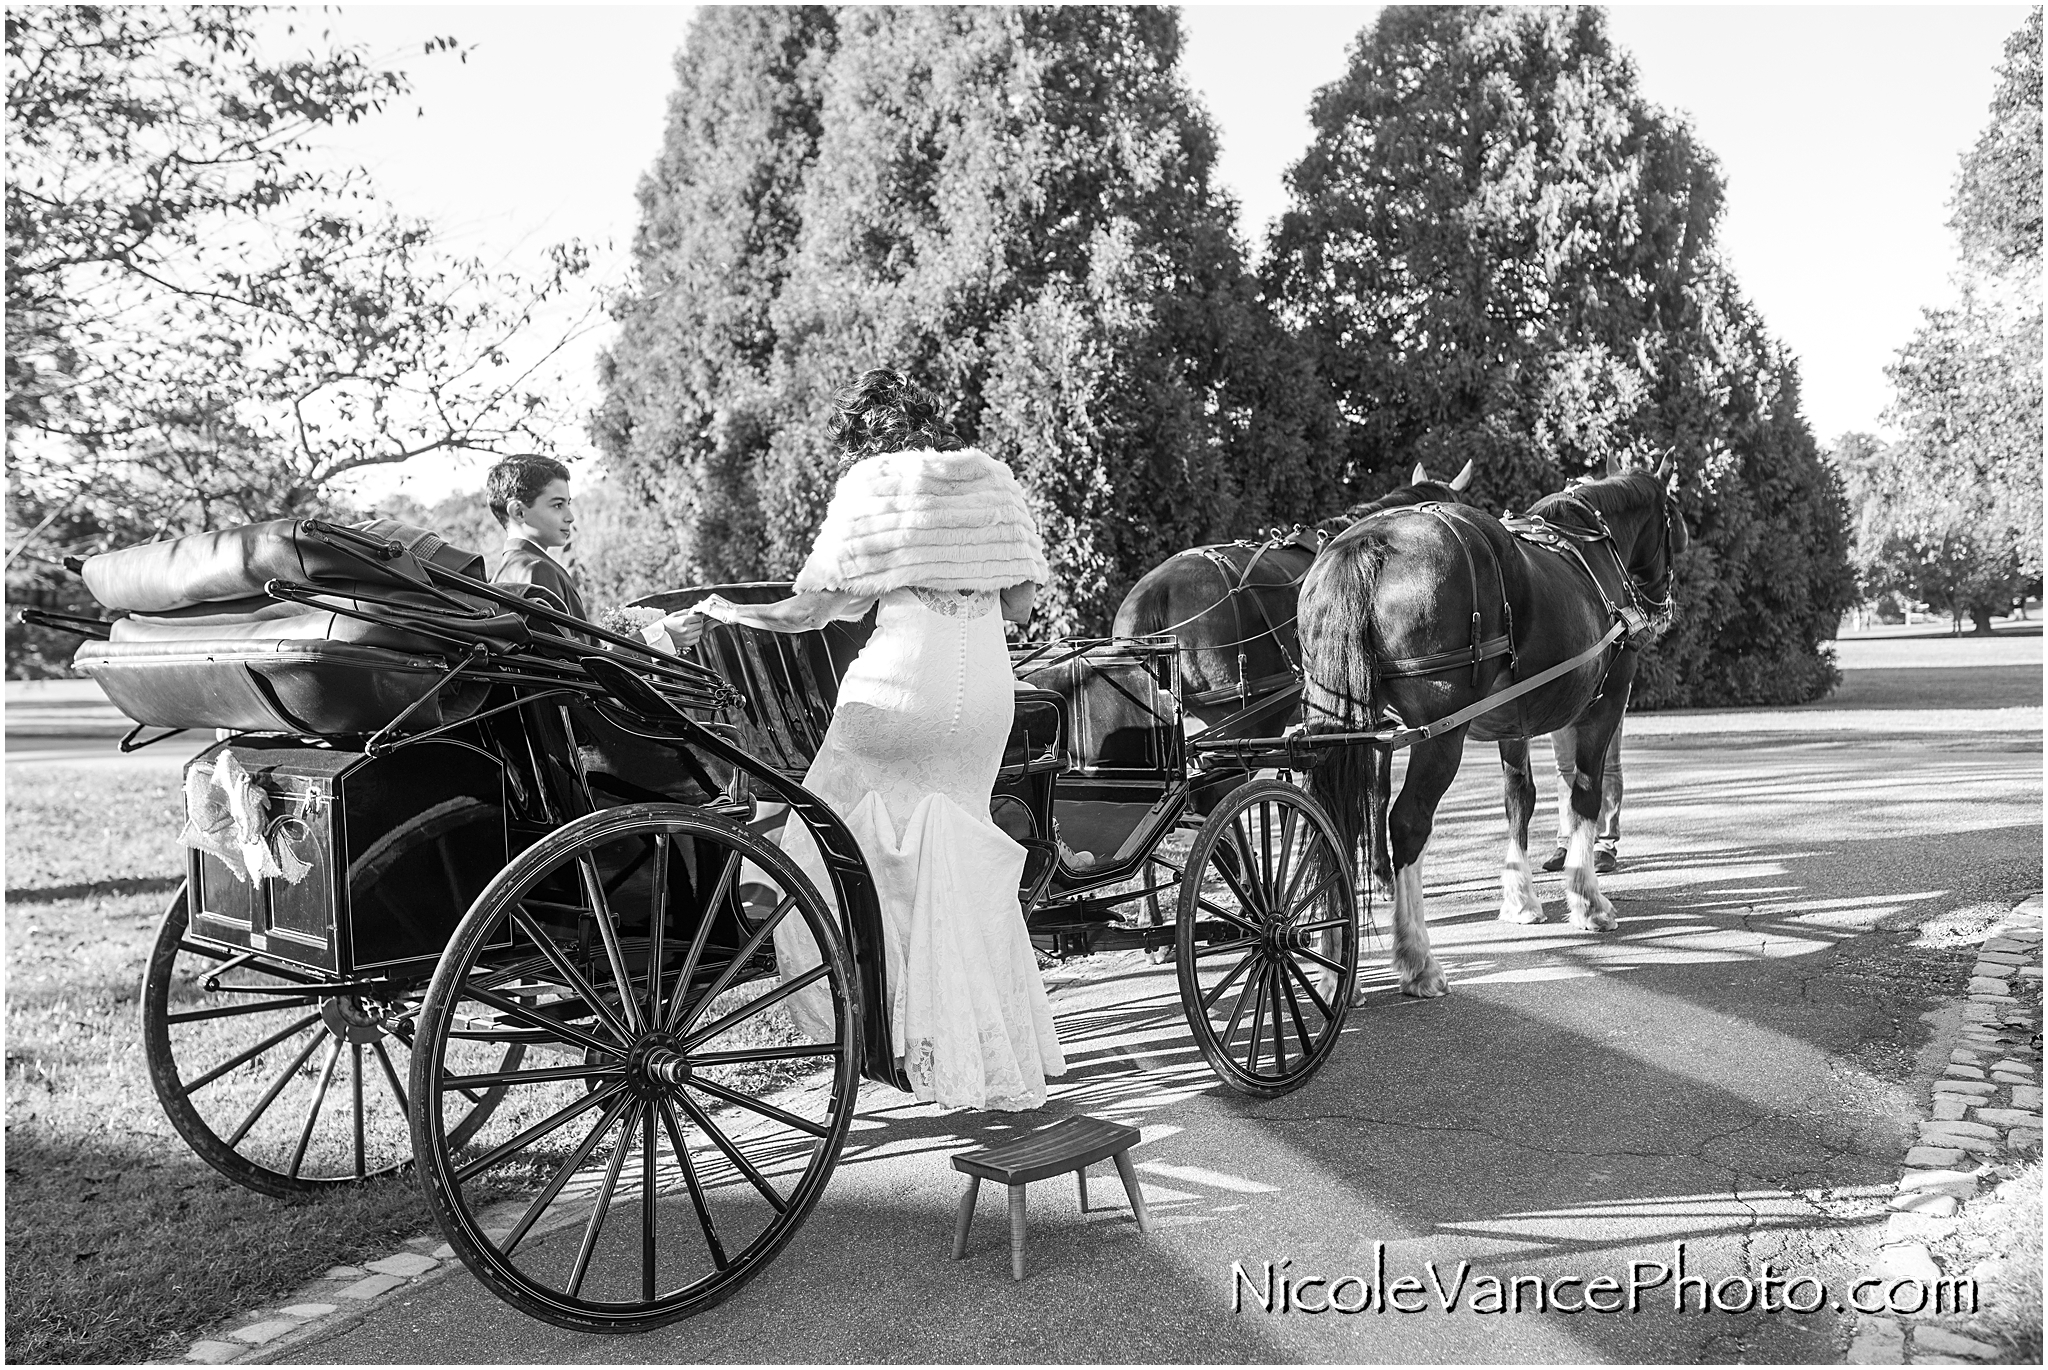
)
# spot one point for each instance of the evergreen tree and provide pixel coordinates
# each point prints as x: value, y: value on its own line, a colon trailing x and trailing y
x: 689, y: 405
x: 1015, y: 207
x: 1498, y: 248
x: 1962, y: 521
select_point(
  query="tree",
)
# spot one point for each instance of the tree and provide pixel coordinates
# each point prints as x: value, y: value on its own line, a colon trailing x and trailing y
x: 200, y: 325
x: 1497, y: 248
x: 1958, y: 519
x: 1013, y: 205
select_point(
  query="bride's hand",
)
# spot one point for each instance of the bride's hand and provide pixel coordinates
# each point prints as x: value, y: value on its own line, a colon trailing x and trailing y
x: 677, y: 632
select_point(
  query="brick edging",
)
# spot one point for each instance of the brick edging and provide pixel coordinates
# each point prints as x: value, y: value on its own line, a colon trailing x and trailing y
x: 1986, y: 1102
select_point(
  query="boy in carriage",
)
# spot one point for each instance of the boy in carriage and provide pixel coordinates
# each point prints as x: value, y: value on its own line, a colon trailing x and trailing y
x: 529, y: 497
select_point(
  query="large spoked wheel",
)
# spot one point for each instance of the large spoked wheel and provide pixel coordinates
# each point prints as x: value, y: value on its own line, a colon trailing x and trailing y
x: 286, y: 1080
x: 680, y: 1106
x: 1267, y: 947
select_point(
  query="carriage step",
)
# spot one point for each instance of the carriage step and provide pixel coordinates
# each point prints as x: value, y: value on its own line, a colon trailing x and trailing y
x: 1069, y: 1144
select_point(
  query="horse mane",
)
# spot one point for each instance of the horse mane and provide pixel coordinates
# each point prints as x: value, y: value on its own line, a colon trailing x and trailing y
x: 1400, y: 497
x: 1630, y: 492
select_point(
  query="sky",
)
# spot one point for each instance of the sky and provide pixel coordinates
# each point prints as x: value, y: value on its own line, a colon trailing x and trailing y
x: 1838, y: 129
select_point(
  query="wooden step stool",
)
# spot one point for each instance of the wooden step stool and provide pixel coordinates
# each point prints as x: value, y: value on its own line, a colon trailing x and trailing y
x: 1069, y: 1144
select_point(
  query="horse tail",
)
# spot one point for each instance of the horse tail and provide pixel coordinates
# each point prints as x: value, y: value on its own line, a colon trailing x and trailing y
x: 1340, y: 687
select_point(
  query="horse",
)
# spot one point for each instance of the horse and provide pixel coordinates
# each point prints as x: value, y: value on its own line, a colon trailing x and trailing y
x: 1424, y: 612
x: 1229, y: 657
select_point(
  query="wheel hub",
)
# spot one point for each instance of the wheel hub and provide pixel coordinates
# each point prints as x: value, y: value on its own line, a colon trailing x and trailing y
x: 351, y: 1020
x: 655, y: 1067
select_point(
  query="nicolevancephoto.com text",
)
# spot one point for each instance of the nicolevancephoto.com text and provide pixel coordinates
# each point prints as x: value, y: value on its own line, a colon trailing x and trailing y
x: 1273, y: 1286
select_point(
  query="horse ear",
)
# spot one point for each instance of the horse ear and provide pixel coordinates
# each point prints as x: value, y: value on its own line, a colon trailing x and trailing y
x: 1668, y: 466
x: 1613, y: 463
x: 1462, y: 479
x: 1420, y: 475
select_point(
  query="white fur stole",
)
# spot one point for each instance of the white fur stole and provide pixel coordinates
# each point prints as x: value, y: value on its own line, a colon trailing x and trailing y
x: 943, y: 520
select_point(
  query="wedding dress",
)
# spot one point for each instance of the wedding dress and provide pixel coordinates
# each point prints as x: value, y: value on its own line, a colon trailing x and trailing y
x: 908, y: 762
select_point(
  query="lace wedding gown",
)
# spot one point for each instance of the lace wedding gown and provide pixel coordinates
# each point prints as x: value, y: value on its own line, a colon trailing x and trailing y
x: 908, y: 762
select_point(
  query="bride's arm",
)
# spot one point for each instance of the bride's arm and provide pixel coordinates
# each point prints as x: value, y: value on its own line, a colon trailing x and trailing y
x: 797, y: 614
x: 1018, y: 601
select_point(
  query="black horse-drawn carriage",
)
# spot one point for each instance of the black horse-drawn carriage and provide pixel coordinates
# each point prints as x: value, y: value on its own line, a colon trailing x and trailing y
x: 474, y: 883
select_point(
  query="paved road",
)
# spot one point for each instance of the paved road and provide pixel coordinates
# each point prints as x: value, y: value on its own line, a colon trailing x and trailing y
x: 1731, y: 1068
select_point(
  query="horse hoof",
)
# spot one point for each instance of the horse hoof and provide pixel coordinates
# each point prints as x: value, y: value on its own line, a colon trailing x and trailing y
x: 1521, y: 913
x: 1429, y: 985
x: 1598, y: 918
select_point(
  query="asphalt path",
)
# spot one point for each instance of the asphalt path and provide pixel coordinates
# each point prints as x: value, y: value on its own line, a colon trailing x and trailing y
x: 1732, y: 1068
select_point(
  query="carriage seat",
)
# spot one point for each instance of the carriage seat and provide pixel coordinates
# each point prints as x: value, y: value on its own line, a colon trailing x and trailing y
x: 199, y: 645
x: 235, y: 564
x: 791, y: 684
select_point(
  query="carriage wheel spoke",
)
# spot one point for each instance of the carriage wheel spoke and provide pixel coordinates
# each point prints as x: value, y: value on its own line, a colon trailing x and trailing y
x: 647, y: 1221
x: 1325, y: 962
x: 657, y: 919
x: 753, y: 1105
x: 572, y: 977
x: 313, y: 1108
x: 1294, y: 1012
x: 789, y: 1053
x: 1242, y: 881
x: 1322, y: 1005
x: 1282, y: 868
x: 732, y: 1153
x: 705, y: 917
x: 719, y: 1259
x: 562, y: 1174
x: 1258, y: 1017
x: 608, y: 933
x: 191, y: 1087
x: 1329, y: 878
x: 601, y: 1207
x: 1237, y: 1013
x: 1223, y: 985
x: 1279, y: 980
x: 1258, y: 870
x: 553, y: 1122
x: 239, y: 1010
x: 746, y: 1011
x: 276, y: 1088
x: 1218, y: 948
x: 563, y: 1032
x: 391, y: 1074
x: 1225, y: 914
x: 1311, y: 859
x: 466, y: 1083
x: 739, y: 960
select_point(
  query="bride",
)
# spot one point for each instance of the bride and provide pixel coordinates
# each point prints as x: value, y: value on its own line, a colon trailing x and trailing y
x: 940, y: 536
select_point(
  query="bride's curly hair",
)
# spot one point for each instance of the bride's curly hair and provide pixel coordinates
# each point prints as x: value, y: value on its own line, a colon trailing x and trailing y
x: 884, y: 412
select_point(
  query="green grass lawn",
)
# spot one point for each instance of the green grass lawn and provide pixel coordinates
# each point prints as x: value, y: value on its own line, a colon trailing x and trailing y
x: 122, y: 1245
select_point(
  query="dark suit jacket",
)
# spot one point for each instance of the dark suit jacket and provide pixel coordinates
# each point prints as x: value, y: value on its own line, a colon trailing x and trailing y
x: 523, y: 563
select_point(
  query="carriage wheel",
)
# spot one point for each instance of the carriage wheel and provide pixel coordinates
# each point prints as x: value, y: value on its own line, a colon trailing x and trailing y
x: 672, y: 1125
x: 275, y: 1077
x: 1267, y: 947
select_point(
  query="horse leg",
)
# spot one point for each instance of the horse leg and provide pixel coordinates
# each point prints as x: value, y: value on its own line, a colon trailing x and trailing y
x: 1589, y: 908
x: 1432, y: 765
x: 1519, y: 902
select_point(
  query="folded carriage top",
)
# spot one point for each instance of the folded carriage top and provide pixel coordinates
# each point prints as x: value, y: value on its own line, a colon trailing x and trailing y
x: 236, y: 563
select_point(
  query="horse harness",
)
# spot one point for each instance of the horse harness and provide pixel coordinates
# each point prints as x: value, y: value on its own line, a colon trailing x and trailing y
x: 1629, y: 619
x: 1238, y: 587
